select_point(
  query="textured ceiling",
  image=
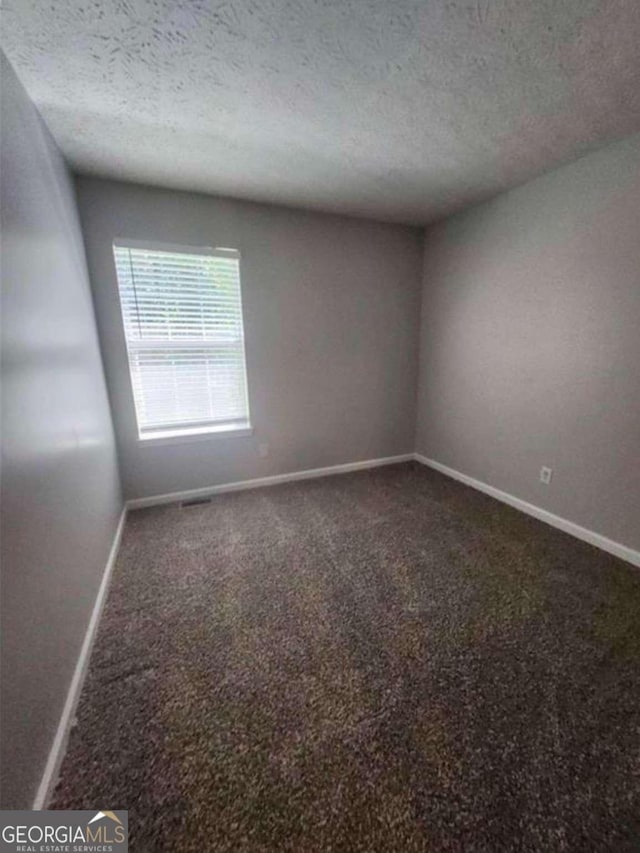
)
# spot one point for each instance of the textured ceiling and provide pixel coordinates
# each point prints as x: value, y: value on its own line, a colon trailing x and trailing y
x: 395, y: 109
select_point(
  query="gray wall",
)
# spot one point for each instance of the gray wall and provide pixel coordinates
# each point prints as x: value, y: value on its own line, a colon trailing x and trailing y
x: 60, y: 489
x: 331, y: 309
x: 530, y: 342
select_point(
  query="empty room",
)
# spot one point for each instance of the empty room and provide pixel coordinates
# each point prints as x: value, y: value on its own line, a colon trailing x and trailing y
x: 320, y: 412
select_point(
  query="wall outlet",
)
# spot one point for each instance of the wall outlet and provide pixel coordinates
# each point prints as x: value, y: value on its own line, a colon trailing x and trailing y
x: 545, y: 475
x: 263, y: 450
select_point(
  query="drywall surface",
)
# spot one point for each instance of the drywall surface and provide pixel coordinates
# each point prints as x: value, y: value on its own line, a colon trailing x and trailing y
x: 394, y: 109
x: 530, y: 342
x: 60, y: 488
x: 331, y: 313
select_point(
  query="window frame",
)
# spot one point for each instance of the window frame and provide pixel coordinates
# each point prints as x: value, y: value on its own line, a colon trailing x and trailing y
x: 188, y: 433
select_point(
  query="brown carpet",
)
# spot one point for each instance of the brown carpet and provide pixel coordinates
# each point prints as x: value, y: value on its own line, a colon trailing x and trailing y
x: 382, y: 661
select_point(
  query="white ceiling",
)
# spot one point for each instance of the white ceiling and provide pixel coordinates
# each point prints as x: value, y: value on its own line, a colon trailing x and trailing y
x: 395, y: 109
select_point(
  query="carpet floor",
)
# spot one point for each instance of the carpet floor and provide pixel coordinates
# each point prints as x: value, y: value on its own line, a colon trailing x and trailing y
x: 379, y: 661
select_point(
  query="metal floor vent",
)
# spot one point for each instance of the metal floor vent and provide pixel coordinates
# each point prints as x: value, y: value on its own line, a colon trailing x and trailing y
x: 195, y: 502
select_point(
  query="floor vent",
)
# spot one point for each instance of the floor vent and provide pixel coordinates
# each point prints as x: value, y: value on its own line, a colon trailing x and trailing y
x: 195, y: 502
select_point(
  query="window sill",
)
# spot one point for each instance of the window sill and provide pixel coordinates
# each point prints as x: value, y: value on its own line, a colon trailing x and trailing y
x: 187, y: 436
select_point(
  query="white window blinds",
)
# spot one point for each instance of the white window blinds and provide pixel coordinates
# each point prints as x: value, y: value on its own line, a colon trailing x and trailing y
x: 182, y: 313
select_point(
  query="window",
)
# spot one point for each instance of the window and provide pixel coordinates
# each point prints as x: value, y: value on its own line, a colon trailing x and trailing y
x: 182, y: 314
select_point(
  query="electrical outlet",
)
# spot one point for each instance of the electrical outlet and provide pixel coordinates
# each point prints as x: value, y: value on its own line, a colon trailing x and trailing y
x: 263, y: 450
x: 545, y: 475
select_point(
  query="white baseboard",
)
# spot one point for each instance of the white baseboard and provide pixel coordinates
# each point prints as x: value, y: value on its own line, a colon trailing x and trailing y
x: 309, y: 474
x: 58, y: 747
x: 615, y: 548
